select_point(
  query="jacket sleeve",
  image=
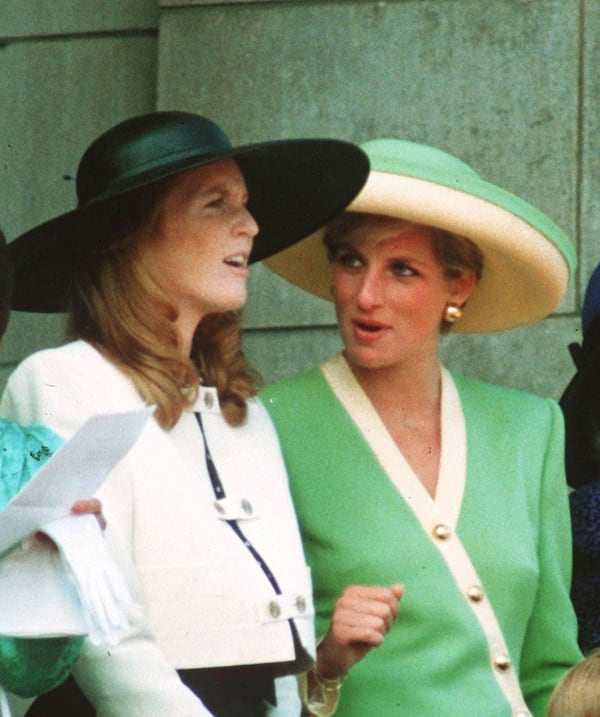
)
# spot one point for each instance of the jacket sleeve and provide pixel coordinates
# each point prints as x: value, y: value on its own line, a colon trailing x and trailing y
x: 49, y: 390
x: 551, y: 639
x: 133, y: 677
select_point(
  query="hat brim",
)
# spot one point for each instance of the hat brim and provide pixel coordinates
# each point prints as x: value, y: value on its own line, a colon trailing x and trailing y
x: 526, y: 261
x: 294, y: 187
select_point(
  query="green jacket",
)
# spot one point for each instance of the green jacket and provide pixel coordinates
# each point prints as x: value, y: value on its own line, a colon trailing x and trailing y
x: 513, y: 524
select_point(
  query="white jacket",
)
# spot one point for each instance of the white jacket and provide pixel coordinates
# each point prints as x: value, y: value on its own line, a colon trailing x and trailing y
x: 201, y: 599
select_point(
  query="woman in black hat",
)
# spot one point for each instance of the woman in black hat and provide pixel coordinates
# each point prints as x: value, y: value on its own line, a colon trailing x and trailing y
x: 152, y: 266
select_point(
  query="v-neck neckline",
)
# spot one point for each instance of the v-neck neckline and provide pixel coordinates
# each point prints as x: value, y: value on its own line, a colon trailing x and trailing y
x: 446, y: 504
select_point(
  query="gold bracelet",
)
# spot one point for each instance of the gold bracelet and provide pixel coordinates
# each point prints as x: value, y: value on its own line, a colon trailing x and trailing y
x: 327, y: 683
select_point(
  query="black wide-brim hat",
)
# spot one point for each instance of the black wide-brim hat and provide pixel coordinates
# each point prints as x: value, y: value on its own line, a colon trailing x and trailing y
x: 294, y: 187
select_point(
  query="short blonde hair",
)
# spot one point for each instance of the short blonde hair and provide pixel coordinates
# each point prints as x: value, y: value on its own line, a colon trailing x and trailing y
x: 578, y: 693
x: 457, y: 255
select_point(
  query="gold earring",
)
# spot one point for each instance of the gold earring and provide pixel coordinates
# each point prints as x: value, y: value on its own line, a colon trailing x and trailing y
x: 452, y: 313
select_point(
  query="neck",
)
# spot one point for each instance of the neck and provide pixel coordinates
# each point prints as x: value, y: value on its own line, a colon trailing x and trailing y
x: 408, y: 400
x: 186, y: 326
x: 415, y: 389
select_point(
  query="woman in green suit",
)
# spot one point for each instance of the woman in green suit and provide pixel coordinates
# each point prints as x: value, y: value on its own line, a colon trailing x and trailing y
x: 403, y: 472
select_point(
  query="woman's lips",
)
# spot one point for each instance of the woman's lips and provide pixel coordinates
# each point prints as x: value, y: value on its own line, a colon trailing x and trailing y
x: 368, y: 329
x: 238, y: 263
x: 239, y: 259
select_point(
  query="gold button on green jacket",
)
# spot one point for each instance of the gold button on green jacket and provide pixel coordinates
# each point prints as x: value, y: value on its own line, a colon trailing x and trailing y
x: 513, y: 526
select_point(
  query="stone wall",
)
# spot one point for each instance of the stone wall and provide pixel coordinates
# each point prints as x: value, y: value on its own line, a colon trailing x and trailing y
x: 508, y: 86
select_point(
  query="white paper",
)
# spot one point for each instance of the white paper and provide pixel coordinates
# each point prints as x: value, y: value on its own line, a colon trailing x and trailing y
x: 75, y: 471
x: 75, y: 589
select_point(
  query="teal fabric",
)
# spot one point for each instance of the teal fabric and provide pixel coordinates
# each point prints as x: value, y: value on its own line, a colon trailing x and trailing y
x: 23, y: 451
x: 514, y: 524
x: 30, y: 667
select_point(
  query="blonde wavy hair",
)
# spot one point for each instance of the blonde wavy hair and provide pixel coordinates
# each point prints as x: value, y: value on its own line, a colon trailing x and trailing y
x: 578, y: 692
x: 118, y: 308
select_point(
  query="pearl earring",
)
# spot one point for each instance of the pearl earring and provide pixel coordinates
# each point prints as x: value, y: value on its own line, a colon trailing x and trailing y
x: 452, y: 313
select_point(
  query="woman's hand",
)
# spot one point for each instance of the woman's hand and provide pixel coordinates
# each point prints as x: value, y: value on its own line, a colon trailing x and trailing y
x: 85, y: 506
x: 362, y: 617
x: 89, y: 505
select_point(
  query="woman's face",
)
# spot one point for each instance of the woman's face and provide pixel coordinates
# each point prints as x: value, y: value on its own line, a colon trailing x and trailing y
x: 390, y: 292
x: 198, y: 253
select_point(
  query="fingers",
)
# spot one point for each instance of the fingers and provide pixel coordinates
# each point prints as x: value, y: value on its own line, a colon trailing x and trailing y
x: 366, y: 612
x: 362, y: 617
x: 351, y: 625
x: 89, y: 505
x: 397, y: 590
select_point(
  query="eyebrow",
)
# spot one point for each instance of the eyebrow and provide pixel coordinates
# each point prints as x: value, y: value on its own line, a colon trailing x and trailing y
x: 217, y: 187
x: 393, y: 259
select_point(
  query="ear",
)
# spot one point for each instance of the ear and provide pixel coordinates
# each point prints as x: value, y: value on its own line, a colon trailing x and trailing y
x: 462, y: 287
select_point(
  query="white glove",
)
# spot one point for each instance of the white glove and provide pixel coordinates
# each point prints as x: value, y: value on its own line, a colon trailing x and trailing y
x: 101, y: 587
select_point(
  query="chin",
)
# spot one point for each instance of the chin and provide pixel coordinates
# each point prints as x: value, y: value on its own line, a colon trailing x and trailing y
x: 235, y: 303
x: 365, y: 360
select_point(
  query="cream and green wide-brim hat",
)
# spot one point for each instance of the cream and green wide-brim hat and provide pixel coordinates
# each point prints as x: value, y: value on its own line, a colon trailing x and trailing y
x: 527, y: 258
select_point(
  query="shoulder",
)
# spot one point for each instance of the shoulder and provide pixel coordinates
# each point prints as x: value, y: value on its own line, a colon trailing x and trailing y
x: 506, y: 407
x: 474, y: 389
x: 74, y: 368
x: 300, y: 405
x: 71, y: 354
x: 64, y: 368
x: 62, y: 387
x: 289, y: 389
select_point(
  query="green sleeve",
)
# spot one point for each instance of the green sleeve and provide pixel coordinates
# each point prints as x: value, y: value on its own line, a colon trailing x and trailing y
x: 550, y: 642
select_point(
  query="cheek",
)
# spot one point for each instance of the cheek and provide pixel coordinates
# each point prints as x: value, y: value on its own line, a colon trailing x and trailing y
x: 341, y: 288
x: 429, y: 297
x: 427, y: 310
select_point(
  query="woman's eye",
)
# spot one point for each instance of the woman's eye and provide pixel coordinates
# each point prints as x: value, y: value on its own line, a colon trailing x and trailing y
x: 216, y: 203
x: 348, y: 260
x: 402, y: 269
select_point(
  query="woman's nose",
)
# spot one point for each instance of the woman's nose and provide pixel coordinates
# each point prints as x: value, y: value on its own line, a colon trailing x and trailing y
x: 370, y: 292
x: 247, y: 223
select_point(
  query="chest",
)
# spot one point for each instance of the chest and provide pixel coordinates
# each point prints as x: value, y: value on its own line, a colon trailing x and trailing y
x: 349, y: 506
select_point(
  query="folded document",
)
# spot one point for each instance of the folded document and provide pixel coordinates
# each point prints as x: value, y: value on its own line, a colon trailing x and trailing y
x: 77, y: 589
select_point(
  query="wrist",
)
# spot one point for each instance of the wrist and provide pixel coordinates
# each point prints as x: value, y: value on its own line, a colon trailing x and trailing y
x: 326, y: 681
